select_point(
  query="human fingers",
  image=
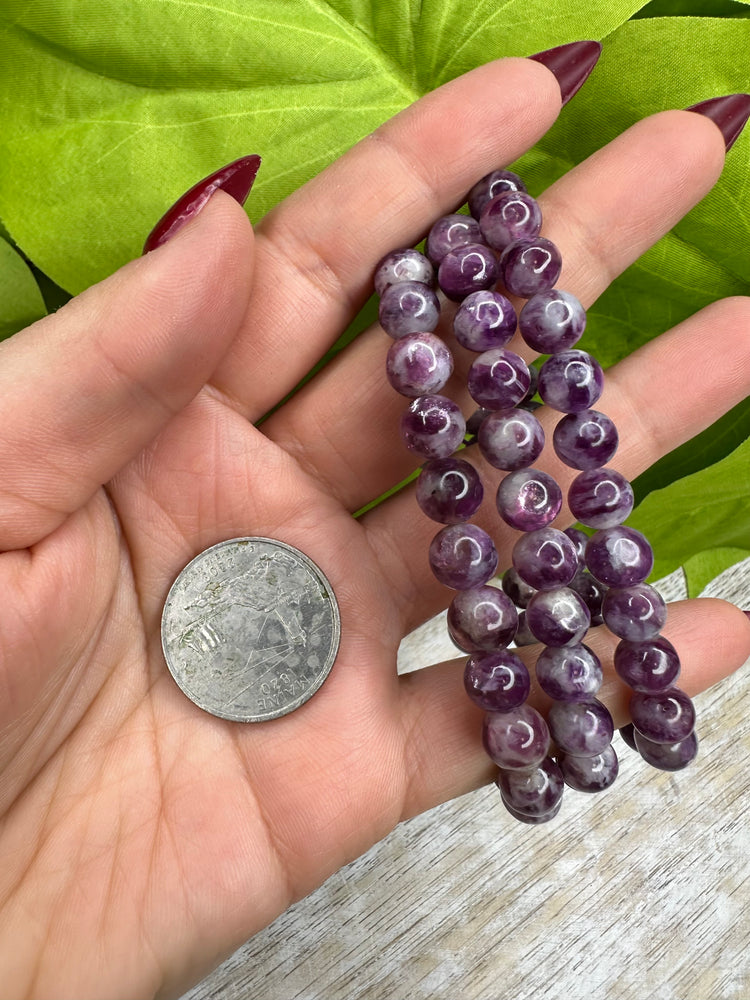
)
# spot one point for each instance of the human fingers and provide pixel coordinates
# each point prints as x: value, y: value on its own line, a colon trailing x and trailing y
x: 601, y: 227
x: 84, y: 390
x: 443, y: 728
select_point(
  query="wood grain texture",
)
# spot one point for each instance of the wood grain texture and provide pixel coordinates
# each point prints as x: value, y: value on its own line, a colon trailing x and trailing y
x: 642, y: 891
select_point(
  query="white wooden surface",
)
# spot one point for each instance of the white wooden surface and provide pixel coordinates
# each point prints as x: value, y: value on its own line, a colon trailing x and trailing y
x: 640, y: 892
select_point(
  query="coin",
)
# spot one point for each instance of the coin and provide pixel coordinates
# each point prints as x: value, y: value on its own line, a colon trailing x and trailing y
x: 250, y: 629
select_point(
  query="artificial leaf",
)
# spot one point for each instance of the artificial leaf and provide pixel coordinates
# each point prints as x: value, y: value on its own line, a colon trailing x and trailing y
x: 21, y: 302
x: 704, y: 567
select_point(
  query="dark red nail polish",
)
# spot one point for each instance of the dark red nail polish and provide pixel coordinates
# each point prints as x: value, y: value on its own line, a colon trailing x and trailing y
x: 746, y: 613
x: 235, y: 178
x: 571, y: 64
x: 730, y: 113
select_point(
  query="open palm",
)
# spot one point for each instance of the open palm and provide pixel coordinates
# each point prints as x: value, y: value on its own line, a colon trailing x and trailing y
x: 141, y: 838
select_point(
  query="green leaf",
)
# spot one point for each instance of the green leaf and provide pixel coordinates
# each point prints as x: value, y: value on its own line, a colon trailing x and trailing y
x: 694, y: 8
x: 704, y: 567
x: 21, y: 302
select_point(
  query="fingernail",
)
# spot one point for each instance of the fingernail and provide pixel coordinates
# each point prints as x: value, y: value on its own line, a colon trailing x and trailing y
x: 746, y: 613
x: 730, y: 113
x: 235, y: 178
x: 571, y: 64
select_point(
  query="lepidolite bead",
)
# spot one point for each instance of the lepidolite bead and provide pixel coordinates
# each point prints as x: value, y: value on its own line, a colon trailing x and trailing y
x: 408, y: 307
x: 497, y: 681
x: 590, y: 774
x: 516, y: 740
x: 510, y: 216
x: 581, y: 728
x: 663, y: 716
x: 579, y: 539
x: 524, y: 635
x: 511, y: 439
x: 569, y: 673
x: 402, y: 265
x: 545, y: 558
x: 482, y: 618
x: 528, y: 499
x: 450, y: 232
x: 592, y: 593
x: 585, y: 440
x: 467, y: 269
x: 634, y: 613
x: 463, y: 556
x: 449, y: 490
x: 530, y: 266
x: 498, y: 379
x: 647, y: 665
x: 619, y: 557
x: 601, y: 498
x: 571, y: 381
x: 628, y: 735
x: 418, y: 364
x: 552, y: 321
x: 433, y: 426
x: 667, y: 756
x: 490, y: 186
x: 484, y: 320
x: 557, y: 617
x: 516, y: 588
x: 532, y: 792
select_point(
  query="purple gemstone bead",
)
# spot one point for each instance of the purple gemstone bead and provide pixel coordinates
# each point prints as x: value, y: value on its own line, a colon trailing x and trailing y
x: 647, y: 665
x: 484, y: 320
x: 449, y: 490
x: 433, y: 426
x: 511, y: 439
x: 402, y: 265
x: 590, y: 774
x: 490, y: 187
x: 601, y: 498
x: 497, y: 681
x: 483, y: 618
x: 463, y: 556
x: 530, y: 266
x: 663, y: 716
x: 532, y: 820
x: 579, y: 539
x: 569, y: 673
x: 408, y: 307
x: 418, y: 364
x: 592, y: 593
x: 524, y: 635
x: 571, y: 381
x: 467, y: 269
x: 517, y: 589
x: 667, y: 756
x: 581, y: 728
x: 545, y: 558
x: 516, y: 740
x: 585, y: 440
x: 535, y: 791
x: 634, y: 613
x: 552, y: 321
x: 558, y: 617
x: 628, y: 735
x: 528, y: 499
x: 498, y: 379
x: 619, y: 557
x: 476, y: 419
x: 450, y: 232
x: 511, y: 216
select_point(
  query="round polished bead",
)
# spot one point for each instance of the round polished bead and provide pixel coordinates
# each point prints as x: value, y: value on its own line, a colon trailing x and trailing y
x: 647, y: 665
x: 571, y: 381
x: 517, y: 589
x: 534, y: 791
x: 581, y: 728
x: 498, y: 379
x: 476, y: 420
x: 601, y: 498
x: 463, y: 556
x: 449, y: 490
x: 634, y: 613
x: 511, y: 439
x: 490, y: 186
x: 667, y: 756
x: 530, y: 266
x: 497, y: 681
x: 545, y: 558
x: 484, y: 320
x: 467, y: 269
x: 663, y: 716
x: 569, y: 673
x: 592, y: 592
x: 585, y: 440
x: 619, y: 557
x: 579, y: 539
x: 483, y: 618
x: 516, y: 740
x: 552, y: 321
x: 524, y: 635
x: 558, y: 617
x: 449, y: 233
x: 532, y: 820
x: 590, y: 774
x: 628, y: 735
x: 510, y: 216
x: 408, y: 307
x: 433, y: 426
x: 528, y: 499
x: 402, y: 265
x: 418, y: 364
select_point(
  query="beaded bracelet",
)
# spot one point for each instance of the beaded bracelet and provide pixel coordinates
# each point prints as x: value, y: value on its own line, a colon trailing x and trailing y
x: 561, y: 582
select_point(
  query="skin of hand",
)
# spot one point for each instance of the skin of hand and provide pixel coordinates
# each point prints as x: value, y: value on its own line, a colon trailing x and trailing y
x: 143, y: 840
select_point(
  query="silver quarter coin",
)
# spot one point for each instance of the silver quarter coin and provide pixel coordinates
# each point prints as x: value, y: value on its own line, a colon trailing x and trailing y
x: 250, y: 629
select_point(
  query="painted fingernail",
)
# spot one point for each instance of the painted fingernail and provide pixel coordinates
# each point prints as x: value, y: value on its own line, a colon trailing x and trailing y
x: 571, y: 64
x: 730, y: 113
x: 235, y: 178
x: 746, y: 613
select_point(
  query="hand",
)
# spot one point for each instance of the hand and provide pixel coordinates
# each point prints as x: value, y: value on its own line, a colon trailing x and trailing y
x: 142, y: 839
